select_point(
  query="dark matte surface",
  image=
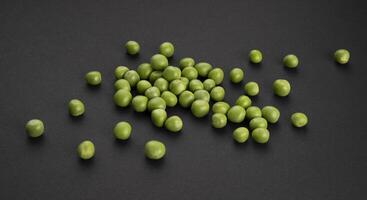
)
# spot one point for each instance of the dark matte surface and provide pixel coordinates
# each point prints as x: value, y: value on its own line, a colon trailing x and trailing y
x: 46, y: 48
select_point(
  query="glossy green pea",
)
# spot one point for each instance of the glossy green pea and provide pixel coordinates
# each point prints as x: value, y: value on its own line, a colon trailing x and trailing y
x: 122, y: 130
x: 185, y: 81
x: 244, y: 101
x: 140, y: 103
x: 142, y: 86
x: 167, y: 49
x: 76, y: 107
x: 35, y: 128
x: 86, y: 150
x: 190, y: 73
x: 186, y: 62
x: 152, y: 92
x: 240, y: 134
x: 202, y: 95
x: 200, y: 108
x: 161, y: 84
x: 93, y: 78
x: 342, y: 56
x: 299, y: 119
x: 156, y: 103
x: 203, y: 68
x: 260, y: 135
x: 155, y: 75
x: 158, y: 117
x: 255, y: 56
x: 271, y: 114
x: 281, y: 87
x: 236, y: 75
x: 171, y: 73
x: 122, y: 98
x: 195, y: 85
x: 132, y: 77
x: 177, y: 86
x: 236, y: 114
x: 122, y: 84
x: 186, y: 98
x: 132, y: 47
x: 251, y: 88
x: 159, y: 62
x: 258, y: 122
x: 290, y: 61
x: 220, y: 107
x: 217, y: 75
x: 209, y: 84
x: 144, y: 70
x: 219, y: 120
x: 154, y: 150
x: 174, y: 123
x: 120, y: 71
x: 169, y: 98
x: 253, y: 112
x: 217, y: 93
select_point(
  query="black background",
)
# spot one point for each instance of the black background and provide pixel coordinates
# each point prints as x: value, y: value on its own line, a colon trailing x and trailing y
x: 46, y: 47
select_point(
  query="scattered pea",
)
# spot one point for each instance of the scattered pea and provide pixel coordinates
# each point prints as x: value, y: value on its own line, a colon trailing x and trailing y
x: 142, y: 86
x: 290, y: 61
x: 236, y: 114
x: 208, y: 84
x: 132, y: 47
x: 202, y: 95
x: 122, y: 98
x: 253, y: 112
x: 161, y: 84
x: 185, y: 81
x: 122, y: 84
x: 217, y: 93
x: 244, y: 101
x: 195, y: 85
x: 86, y: 150
x: 258, y: 122
x: 240, y: 134
x: 187, y: 62
x: 177, y: 86
x: 156, y: 103
x: 271, y: 114
x: 220, y: 107
x: 132, y: 77
x: 154, y: 150
x: 281, y: 87
x: 260, y: 135
x: 236, y: 75
x: 35, y: 128
x: 219, y: 120
x: 169, y: 98
x: 76, y: 107
x: 203, y: 68
x: 217, y: 75
x: 200, y: 108
x: 144, y: 70
x: 174, y: 123
x: 158, y: 117
x: 154, y: 76
x: 299, y: 119
x: 140, y: 103
x: 252, y: 88
x: 122, y: 130
x: 93, y: 78
x: 255, y: 56
x: 167, y: 49
x: 152, y: 92
x: 342, y: 56
x: 120, y: 71
x: 186, y: 98
x: 190, y: 73
x: 171, y: 73
x: 159, y: 62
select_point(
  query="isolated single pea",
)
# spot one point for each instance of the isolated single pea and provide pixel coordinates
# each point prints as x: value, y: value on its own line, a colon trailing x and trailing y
x: 154, y: 150
x: 200, y: 108
x: 185, y: 81
x: 171, y: 73
x: 159, y: 62
x: 174, y: 123
x: 93, y: 78
x: 236, y: 114
x: 132, y: 47
x: 177, y: 86
x: 158, y: 117
x: 35, y: 128
x: 202, y: 95
x: 217, y: 93
x: 299, y: 119
x: 161, y: 84
x: 203, y: 68
x: 156, y: 103
x: 260, y: 135
x: 281, y: 87
x: 155, y: 75
x: 122, y: 98
x: 255, y: 56
x: 219, y: 120
x: 86, y: 150
x: 142, y: 86
x: 190, y: 73
x: 167, y: 49
x: 195, y: 84
x: 251, y: 88
x: 132, y: 77
x: 342, y: 56
x: 236, y: 75
x: 120, y: 71
x: 220, y: 107
x: 169, y: 98
x: 144, y: 70
x: 186, y: 98
x: 240, y: 134
x: 244, y: 101
x: 253, y: 112
x: 217, y: 75
x: 290, y: 61
x: 152, y: 92
x: 271, y: 114
x: 76, y: 107
x: 258, y: 122
x: 208, y: 84
x: 140, y: 103
x: 122, y: 84
x: 122, y: 130
x: 187, y: 62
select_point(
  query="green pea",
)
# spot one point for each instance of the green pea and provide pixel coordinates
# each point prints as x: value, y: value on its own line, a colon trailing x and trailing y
x: 290, y: 61
x: 161, y: 84
x: 171, y: 73
x: 76, y: 107
x: 132, y: 47
x: 122, y: 98
x: 186, y: 98
x: 140, y: 103
x: 154, y: 150
x: 281, y: 87
x: 158, y: 117
x: 244, y: 101
x: 252, y: 88
x: 86, y: 150
x: 299, y: 119
x: 253, y: 112
x: 260, y: 135
x: 155, y: 75
x: 167, y: 49
x: 203, y: 68
x: 217, y: 75
x: 185, y: 81
x: 271, y: 114
x: 342, y: 56
x: 156, y: 103
x: 236, y: 114
x: 159, y: 62
x: 132, y: 77
x: 190, y: 73
x: 122, y: 130
x: 255, y: 56
x: 195, y: 85
x: 219, y: 120
x: 217, y: 93
x: 220, y: 107
x: 186, y: 62
x: 122, y: 84
x: 142, y: 86
x: 174, y: 123
x: 240, y: 134
x: 35, y: 128
x: 152, y: 92
x: 202, y: 95
x: 208, y: 84
x: 236, y: 75
x: 93, y: 78
x: 177, y: 86
x: 120, y: 71
x: 144, y: 70
x: 258, y: 122
x: 200, y: 108
x: 169, y: 98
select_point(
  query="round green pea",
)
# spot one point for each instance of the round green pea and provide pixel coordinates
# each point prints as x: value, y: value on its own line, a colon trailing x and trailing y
x: 142, y: 86
x: 161, y: 84
x: 220, y: 107
x: 219, y: 120
x: 240, y: 134
x: 236, y: 75
x: 186, y: 62
x: 200, y: 108
x: 244, y: 101
x: 122, y: 130
x: 122, y: 84
x: 171, y: 73
x: 217, y: 93
x: 152, y: 92
x: 203, y: 68
x: 342, y: 56
x: 209, y: 84
x: 169, y: 98
x: 299, y: 119
x: 174, y: 123
x: 144, y: 70
x: 159, y: 62
x: 290, y: 61
x: 255, y: 56
x: 93, y: 78
x: 185, y: 81
x: 167, y: 49
x: 122, y: 98
x: 177, y: 86
x: 195, y: 85
x: 158, y: 117
x: 202, y: 95
x: 260, y: 135
x: 271, y: 114
x: 86, y: 150
x: 156, y: 103
x: 140, y: 103
x: 252, y: 88
x: 190, y: 73
x: 132, y: 47
x: 281, y: 87
x: 258, y: 122
x: 186, y: 98
x: 120, y: 71
x: 217, y: 75
x: 155, y: 75
x: 236, y: 114
x: 154, y: 150
x: 253, y: 112
x: 35, y: 128
x: 76, y: 107
x: 132, y: 77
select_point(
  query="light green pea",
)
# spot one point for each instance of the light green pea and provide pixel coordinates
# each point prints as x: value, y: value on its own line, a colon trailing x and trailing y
x: 258, y: 122
x: 203, y: 68
x: 174, y: 123
x: 217, y: 93
x: 342, y: 56
x: 132, y: 47
x: 240, y: 134
x: 281, y: 87
x: 93, y: 78
x: 186, y: 98
x: 220, y: 107
x: 202, y: 95
x: 244, y: 101
x: 195, y: 85
x: 122, y: 84
x: 76, y: 107
x: 255, y: 56
x: 171, y: 73
x: 190, y: 73
x: 122, y: 130
x: 152, y: 92
x: 154, y: 150
x: 187, y: 62
x: 236, y: 114
x: 156, y: 103
x: 219, y: 120
x: 155, y: 75
x: 185, y: 81
x: 158, y: 117
x: 159, y: 62
x: 177, y: 86
x: 260, y: 135
x: 86, y: 150
x: 140, y: 103
x: 209, y: 84
x: 299, y: 119
x: 144, y: 70
x: 271, y: 114
x: 132, y: 77
x: 236, y: 75
x: 169, y: 98
x: 122, y: 98
x: 161, y: 84
x: 251, y: 88
x: 120, y: 71
x: 142, y: 86
x: 253, y: 112
x: 167, y: 49
x: 217, y: 75
x: 200, y: 108
x: 290, y: 61
x: 35, y: 128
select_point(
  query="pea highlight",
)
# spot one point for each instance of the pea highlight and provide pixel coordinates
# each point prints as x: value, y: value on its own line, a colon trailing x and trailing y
x: 217, y: 75
x: 120, y: 71
x: 281, y: 87
x: 260, y: 135
x: 122, y: 98
x: 35, y: 128
x: 219, y: 120
x: 243, y: 101
x: 132, y: 47
x: 93, y: 78
x: 186, y: 98
x: 174, y: 123
x: 236, y: 114
x: 159, y: 62
x: 158, y: 117
x: 252, y: 88
x: 290, y: 61
x: 253, y: 112
x: 236, y: 75
x: 167, y: 49
x: 144, y: 70
x: 271, y: 114
x: 200, y: 108
x: 177, y: 87
x: 190, y: 73
x: 169, y: 98
x: 140, y: 103
x: 76, y: 107
x: 342, y: 56
x: 152, y: 92
x: 202, y: 95
x: 258, y: 122
x: 156, y: 103
x: 122, y: 130
x: 122, y: 84
x: 255, y: 56
x: 86, y: 150
x: 220, y: 107
x: 299, y: 119
x: 132, y: 77
x: 171, y: 73
x: 203, y: 68
x: 187, y: 62
x: 217, y: 93
x: 240, y: 134
x: 154, y: 149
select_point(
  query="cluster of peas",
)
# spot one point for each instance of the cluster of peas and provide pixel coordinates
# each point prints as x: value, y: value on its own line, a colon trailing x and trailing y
x: 161, y: 86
